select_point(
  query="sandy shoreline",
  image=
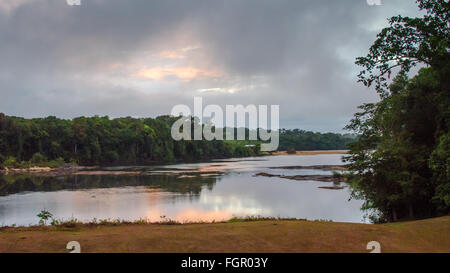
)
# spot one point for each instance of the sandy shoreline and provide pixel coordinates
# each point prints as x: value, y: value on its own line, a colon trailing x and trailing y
x: 45, y: 171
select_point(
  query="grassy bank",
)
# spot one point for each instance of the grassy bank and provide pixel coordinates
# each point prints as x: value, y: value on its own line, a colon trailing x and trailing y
x: 430, y: 235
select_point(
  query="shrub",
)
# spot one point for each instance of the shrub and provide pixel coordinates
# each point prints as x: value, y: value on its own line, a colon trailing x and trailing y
x: 38, y: 158
x: 10, y: 162
x: 55, y: 163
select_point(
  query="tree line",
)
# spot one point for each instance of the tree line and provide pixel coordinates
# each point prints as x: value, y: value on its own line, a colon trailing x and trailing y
x: 101, y: 140
x: 400, y: 164
x: 299, y: 140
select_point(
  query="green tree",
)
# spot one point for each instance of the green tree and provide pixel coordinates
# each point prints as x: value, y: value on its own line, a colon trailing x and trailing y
x: 398, y: 164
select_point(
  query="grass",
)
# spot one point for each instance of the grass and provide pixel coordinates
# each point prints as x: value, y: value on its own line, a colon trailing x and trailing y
x: 250, y: 234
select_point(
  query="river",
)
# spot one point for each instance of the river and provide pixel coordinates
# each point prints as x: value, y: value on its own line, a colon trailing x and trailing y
x: 212, y: 191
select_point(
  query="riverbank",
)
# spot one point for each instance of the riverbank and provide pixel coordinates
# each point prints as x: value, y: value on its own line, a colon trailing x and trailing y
x: 71, y: 169
x: 327, y: 152
x: 430, y: 235
x: 46, y: 171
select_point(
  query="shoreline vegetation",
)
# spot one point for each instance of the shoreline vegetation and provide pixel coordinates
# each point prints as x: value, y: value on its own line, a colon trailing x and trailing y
x: 399, y: 164
x: 251, y: 234
x: 94, y: 141
x: 52, y: 169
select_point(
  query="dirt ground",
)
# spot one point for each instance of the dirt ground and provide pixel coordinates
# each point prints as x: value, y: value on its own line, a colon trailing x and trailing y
x: 431, y: 235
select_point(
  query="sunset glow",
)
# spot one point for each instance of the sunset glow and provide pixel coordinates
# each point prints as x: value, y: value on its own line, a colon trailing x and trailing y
x: 184, y: 73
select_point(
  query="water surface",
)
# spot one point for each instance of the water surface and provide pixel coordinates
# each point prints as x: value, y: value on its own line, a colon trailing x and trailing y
x: 209, y: 191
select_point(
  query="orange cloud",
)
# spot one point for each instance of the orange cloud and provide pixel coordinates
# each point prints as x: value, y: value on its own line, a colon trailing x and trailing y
x: 10, y: 5
x: 184, y: 73
x: 169, y: 55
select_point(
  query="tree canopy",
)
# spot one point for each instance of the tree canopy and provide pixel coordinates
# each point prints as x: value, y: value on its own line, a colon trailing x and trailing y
x: 400, y: 164
x: 306, y: 140
x: 100, y: 140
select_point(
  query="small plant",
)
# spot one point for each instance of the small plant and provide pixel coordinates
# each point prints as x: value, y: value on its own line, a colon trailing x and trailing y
x: 71, y: 223
x: 323, y: 220
x: 55, y: 222
x: 167, y: 221
x: 251, y: 218
x: 44, y: 216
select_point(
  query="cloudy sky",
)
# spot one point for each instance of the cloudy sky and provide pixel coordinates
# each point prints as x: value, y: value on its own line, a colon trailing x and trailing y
x: 140, y: 57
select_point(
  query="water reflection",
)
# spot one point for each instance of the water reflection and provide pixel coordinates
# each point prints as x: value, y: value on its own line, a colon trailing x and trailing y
x: 184, y: 192
x: 169, y: 183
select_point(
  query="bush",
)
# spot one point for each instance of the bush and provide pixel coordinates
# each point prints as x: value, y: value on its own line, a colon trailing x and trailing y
x: 38, y: 158
x: 10, y: 162
x: 55, y: 163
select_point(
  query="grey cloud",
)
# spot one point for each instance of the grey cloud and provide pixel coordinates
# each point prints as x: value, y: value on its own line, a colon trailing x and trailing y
x: 57, y: 59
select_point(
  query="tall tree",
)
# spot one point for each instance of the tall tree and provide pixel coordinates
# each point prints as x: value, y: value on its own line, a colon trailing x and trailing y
x: 399, y: 164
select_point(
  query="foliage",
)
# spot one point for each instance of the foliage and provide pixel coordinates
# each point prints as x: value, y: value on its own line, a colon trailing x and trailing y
x: 305, y: 140
x: 99, y: 140
x: 44, y: 216
x: 399, y: 165
x: 38, y: 158
x: 440, y: 164
x: 50, y: 142
x: 10, y: 162
x: 408, y: 42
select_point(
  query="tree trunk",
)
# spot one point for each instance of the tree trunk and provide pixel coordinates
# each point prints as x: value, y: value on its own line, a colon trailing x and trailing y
x: 136, y: 154
x: 394, y: 215
x: 411, y: 211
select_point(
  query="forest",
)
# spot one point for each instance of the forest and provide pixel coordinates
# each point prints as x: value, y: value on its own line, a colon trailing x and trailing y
x: 101, y: 140
x: 400, y: 165
x: 301, y: 140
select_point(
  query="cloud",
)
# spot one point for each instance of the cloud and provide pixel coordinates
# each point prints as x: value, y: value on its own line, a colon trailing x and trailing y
x: 184, y: 73
x: 8, y: 6
x: 141, y: 57
x: 169, y: 55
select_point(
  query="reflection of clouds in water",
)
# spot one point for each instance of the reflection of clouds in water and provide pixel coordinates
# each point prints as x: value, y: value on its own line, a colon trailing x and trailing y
x: 258, y: 163
x: 287, y: 198
x: 237, y: 193
x: 182, y: 214
x: 203, y: 215
x: 234, y: 203
x: 209, y: 208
